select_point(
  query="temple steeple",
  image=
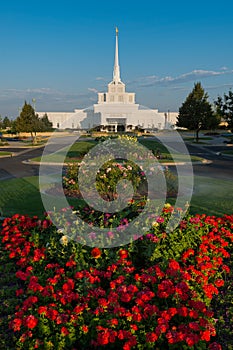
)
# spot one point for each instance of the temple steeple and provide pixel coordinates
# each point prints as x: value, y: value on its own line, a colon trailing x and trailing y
x: 116, y: 88
x: 116, y: 71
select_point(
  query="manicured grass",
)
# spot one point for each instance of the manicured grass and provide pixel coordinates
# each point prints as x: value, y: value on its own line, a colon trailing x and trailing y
x: 79, y: 149
x: 2, y: 153
x: 228, y: 152
x: 20, y: 196
x: 154, y: 145
x: 211, y: 196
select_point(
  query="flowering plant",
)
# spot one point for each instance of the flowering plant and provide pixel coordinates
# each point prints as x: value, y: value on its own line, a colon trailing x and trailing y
x: 74, y: 296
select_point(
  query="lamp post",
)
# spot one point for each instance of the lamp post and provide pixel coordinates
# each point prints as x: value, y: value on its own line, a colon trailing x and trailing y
x: 34, y: 104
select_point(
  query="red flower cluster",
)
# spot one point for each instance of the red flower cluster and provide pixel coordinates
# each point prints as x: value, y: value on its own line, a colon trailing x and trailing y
x: 123, y: 305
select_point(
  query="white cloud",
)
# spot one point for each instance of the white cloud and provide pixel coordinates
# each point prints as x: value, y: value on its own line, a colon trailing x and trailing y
x: 93, y: 90
x: 47, y: 99
x: 154, y: 80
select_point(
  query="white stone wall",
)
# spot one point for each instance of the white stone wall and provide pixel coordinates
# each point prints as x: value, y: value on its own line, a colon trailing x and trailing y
x: 102, y: 113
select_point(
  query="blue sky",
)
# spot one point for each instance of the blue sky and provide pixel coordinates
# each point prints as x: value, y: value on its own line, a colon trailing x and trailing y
x: 61, y: 52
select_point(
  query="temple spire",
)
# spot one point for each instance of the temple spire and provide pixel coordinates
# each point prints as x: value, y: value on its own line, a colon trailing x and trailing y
x: 116, y: 71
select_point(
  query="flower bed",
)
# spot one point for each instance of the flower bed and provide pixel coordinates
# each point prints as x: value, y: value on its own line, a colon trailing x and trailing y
x: 154, y: 293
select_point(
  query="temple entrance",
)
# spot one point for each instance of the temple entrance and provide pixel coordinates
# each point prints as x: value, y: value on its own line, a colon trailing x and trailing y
x: 120, y: 128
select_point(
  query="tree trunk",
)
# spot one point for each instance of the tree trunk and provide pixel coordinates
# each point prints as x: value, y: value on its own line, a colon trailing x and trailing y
x: 197, y: 135
x: 33, y: 138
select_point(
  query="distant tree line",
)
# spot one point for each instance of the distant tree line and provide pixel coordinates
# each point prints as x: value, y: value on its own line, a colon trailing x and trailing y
x: 5, y: 123
x: 196, y: 112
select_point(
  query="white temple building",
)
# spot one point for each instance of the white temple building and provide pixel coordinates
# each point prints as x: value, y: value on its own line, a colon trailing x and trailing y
x: 116, y: 110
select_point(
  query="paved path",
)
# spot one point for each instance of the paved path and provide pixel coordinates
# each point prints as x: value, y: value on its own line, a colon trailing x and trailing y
x: 13, y: 167
x: 221, y: 167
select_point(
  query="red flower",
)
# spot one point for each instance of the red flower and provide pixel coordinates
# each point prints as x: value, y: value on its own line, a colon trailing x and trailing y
x: 71, y: 263
x: 19, y: 292
x: 219, y: 283
x: 96, y: 253
x: 85, y: 328
x: 31, y: 321
x: 16, y: 324
x: 205, y: 335
x: 42, y: 309
x: 64, y: 331
x: 69, y: 285
x: 123, y: 253
x: 151, y: 337
x: 173, y: 264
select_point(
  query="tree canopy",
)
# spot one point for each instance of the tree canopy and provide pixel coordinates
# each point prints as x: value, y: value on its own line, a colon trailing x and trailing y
x: 224, y: 106
x: 29, y: 121
x: 5, y: 122
x: 196, y: 112
x: 46, y: 124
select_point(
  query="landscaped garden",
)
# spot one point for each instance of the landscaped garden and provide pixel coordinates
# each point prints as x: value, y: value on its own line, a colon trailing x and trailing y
x: 164, y: 289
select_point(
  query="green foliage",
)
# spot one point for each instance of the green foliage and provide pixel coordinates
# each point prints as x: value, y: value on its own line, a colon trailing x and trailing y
x: 112, y: 171
x: 5, y: 123
x: 46, y: 125
x: 29, y: 121
x: 224, y: 106
x: 196, y: 112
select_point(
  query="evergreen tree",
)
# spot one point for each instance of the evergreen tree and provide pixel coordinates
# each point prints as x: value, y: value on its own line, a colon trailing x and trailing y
x: 28, y: 121
x: 224, y: 108
x: 6, y: 123
x: 46, y: 124
x: 196, y: 112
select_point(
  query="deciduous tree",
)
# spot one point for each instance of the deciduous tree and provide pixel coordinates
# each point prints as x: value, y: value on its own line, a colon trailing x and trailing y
x: 196, y: 112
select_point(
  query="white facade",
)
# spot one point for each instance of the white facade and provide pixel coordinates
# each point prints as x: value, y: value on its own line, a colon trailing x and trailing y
x: 115, y: 110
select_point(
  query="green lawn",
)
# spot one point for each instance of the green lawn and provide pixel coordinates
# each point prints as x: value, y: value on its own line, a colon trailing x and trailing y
x: 230, y: 152
x: 2, y: 153
x: 79, y: 149
x: 211, y: 196
x: 20, y: 196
